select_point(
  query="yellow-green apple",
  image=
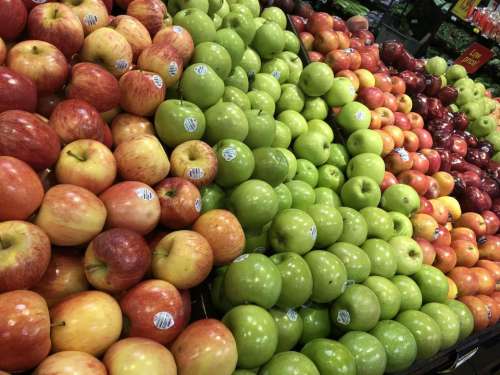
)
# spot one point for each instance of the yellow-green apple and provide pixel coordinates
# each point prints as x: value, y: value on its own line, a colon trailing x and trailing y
x: 109, y: 48
x: 137, y: 355
x: 93, y: 14
x: 131, y: 205
x: 95, y: 85
x: 141, y: 92
x: 349, y: 74
x: 316, y: 79
x: 151, y: 13
x: 71, y: 362
x: 163, y: 59
x: 126, y: 126
x: 89, y: 321
x: 134, y: 31
x: 86, y: 163
x: 71, y: 215
x: 179, y: 38
x: 408, y: 255
x: 154, y: 309
x: 142, y: 159
x: 64, y: 276
x: 365, y: 77
x: 21, y: 191
x: 116, y: 259
x: 452, y: 289
x: 25, y: 327
x: 24, y: 255
x: 446, y: 183
x: 13, y: 16
x: 354, y: 116
x: 196, y: 161
x: 404, y: 103
x: 447, y: 321
x: 205, y: 346
x: 183, y: 258
x: 386, y: 116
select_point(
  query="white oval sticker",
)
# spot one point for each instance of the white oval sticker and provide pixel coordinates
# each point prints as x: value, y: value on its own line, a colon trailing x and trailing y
x: 158, y: 81
x: 173, y: 68
x: 343, y: 317
x: 313, y: 232
x: 90, y: 20
x: 201, y: 70
x: 405, y: 156
x: 360, y: 115
x: 190, y: 124
x: 276, y: 74
x: 163, y: 320
x: 145, y: 194
x: 197, y: 205
x: 39, y: 1
x: 195, y: 173
x: 241, y: 258
x: 177, y: 29
x: 121, y: 64
x: 229, y: 153
x: 292, y: 315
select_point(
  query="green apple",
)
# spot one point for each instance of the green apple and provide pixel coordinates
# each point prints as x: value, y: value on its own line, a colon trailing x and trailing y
x: 357, y: 309
x: 312, y: 146
x: 402, y: 224
x: 295, y: 122
x: 198, y: 23
x: 262, y: 101
x: 496, y: 157
x: 214, y: 6
x: 240, y: 23
x: 284, y: 197
x: 307, y: 172
x: 219, y: 300
x: 338, y: 156
x: 356, y: 261
x: 225, y: 120
x: 244, y: 372
x: 327, y: 197
x: 359, y: 192
x: 278, y: 69
x: 465, y: 95
x: 382, y: 257
x: 329, y: 275
x: 254, y: 203
x: 379, y: 223
x: 251, y: 62
x: 483, y: 126
x: 354, y: 116
x: 282, y: 136
x: 296, y: 277
x: 368, y: 165
x: 212, y: 197
x: 290, y: 326
x: 355, y: 228
x: 259, y: 21
x: 240, y: 8
x: 315, y: 109
x: 257, y: 240
x: 399, y: 344
x: 436, y: 65
x: 235, y: 95
x: 316, y: 322
x: 270, y: 165
x: 368, y: 352
x: 464, y: 83
x: 411, y: 296
x: 432, y: 283
x: 255, y: 333
x: 364, y: 141
x: 330, y: 176
x: 267, y: 83
x: 455, y: 72
x: 453, y: 108
x: 400, y: 198
x: 261, y: 128
x: 330, y: 357
x: 387, y: 294
x: 232, y: 42
x: 291, y: 97
x: 253, y: 5
x: 292, y: 230
x: 201, y: 85
x: 294, y: 63
x: 465, y: 317
x: 303, y: 194
x: 425, y: 331
x: 269, y: 40
x: 292, y: 43
x: 446, y: 319
x: 275, y: 14
x: 254, y: 279
x: 217, y: 20
x: 473, y: 110
x: 238, y: 78
x: 408, y: 255
x: 316, y: 79
x: 290, y: 158
x: 328, y: 222
x: 319, y: 126
x: 178, y: 121
x: 214, y: 55
x: 235, y: 162
x: 223, y: 10
x: 175, y: 6
x: 289, y: 363
x: 341, y: 92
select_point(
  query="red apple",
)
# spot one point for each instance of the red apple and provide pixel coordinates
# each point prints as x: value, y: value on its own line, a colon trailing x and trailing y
x: 179, y: 38
x: 424, y: 138
x: 299, y: 23
x: 434, y: 159
x: 355, y: 58
x: 467, y: 252
x: 315, y: 56
x: 417, y: 180
x: 493, y: 309
x: 479, y: 310
x: 440, y: 211
x: 141, y: 92
x: 126, y: 126
x: 357, y: 23
x: 93, y: 14
x: 372, y: 97
x: 387, y: 142
x: 492, y: 267
x: 13, y: 15
x: 386, y: 116
x: 338, y: 60
x: 16, y: 91
x: 134, y: 31
x: 466, y: 281
x: 307, y: 40
x: 78, y: 362
x: 339, y: 24
x: 383, y: 82
x: 411, y: 141
x: 351, y: 76
x: 420, y: 162
x: 398, y: 85
x: 489, y: 247
x: 158, y: 56
x: 473, y: 221
x: 433, y: 190
x: 463, y: 233
x: 446, y: 259
x: 196, y: 161
x: 398, y: 161
x: 151, y: 13
x: 319, y: 21
x: 425, y: 206
x: 492, y: 222
x: 326, y: 41
x: 47, y: 103
x: 390, y: 101
x: 396, y: 134
x: 429, y: 254
x: 344, y: 40
x: 401, y: 121
x: 443, y: 237
x: 486, y: 281
x: 424, y: 226
x: 369, y: 62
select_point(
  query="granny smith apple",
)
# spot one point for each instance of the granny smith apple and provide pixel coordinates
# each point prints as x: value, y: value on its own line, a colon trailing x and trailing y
x: 432, y: 283
x: 225, y: 120
x: 355, y: 228
x: 341, y: 92
x: 465, y: 317
x: 201, y: 85
x: 364, y: 141
x: 312, y: 146
x: 329, y: 275
x: 278, y: 69
x: 240, y: 23
x: 291, y: 97
x: 292, y: 43
x: 331, y: 177
x: 289, y: 363
x: 269, y: 40
x: 175, y: 6
x: 316, y: 322
x: 282, y: 136
x: 379, y: 223
x: 303, y: 194
x: 262, y: 101
x: 235, y: 162
x: 219, y: 300
x: 368, y: 165
x: 290, y: 326
x: 291, y: 160
x: 296, y: 277
x: 307, y: 172
x: 402, y: 224
x: 178, y: 121
x: 214, y: 6
x: 483, y: 126
x: 255, y: 333
x: 436, y: 65
x: 357, y: 309
x: 327, y: 197
x: 235, y: 95
x: 455, y: 72
x: 214, y: 55
x: 259, y: 21
x: 315, y: 109
x: 238, y: 78
x: 267, y: 83
x: 494, y: 139
x: 399, y: 344
x: 244, y: 372
x: 354, y: 116
x: 232, y: 42
x: 261, y: 129
x: 425, y: 331
x: 254, y: 203
x: 446, y: 319
x: 212, y: 197
x: 292, y: 230
x: 473, y: 110
x: 356, y: 261
x: 240, y: 8
x: 411, y: 296
x: 257, y: 240
x: 382, y: 257
x: 359, y: 192
x: 284, y: 197
x: 275, y: 14
x: 251, y: 62
x: 253, y: 5
x: 316, y: 125
x: 295, y: 121
x: 400, y: 198
x: 217, y: 20
x: 294, y: 63
x: 368, y: 352
x: 387, y: 294
x: 338, y: 156
x: 198, y: 23
x: 271, y: 165
x: 330, y: 357
x: 316, y: 79
x: 408, y: 255
x: 328, y: 222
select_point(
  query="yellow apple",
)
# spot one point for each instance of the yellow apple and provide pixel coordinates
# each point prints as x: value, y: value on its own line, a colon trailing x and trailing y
x: 71, y: 363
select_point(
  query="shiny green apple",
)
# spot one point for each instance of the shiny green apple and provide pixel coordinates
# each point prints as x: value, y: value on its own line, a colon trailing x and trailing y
x: 355, y: 228
x: 356, y: 261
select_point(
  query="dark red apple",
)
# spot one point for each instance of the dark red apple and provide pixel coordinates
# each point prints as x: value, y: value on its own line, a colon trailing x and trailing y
x: 447, y: 95
x: 420, y: 105
x: 458, y: 145
x: 372, y: 97
x: 475, y: 200
x: 432, y: 85
x: 16, y: 91
x: 436, y: 109
x: 13, y: 16
x: 299, y: 23
x: 391, y: 51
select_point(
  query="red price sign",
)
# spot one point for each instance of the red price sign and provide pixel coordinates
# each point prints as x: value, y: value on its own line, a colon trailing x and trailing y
x: 474, y: 57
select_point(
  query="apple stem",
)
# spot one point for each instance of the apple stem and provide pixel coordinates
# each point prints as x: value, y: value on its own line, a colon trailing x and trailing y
x: 58, y: 324
x: 3, y: 245
x: 70, y: 153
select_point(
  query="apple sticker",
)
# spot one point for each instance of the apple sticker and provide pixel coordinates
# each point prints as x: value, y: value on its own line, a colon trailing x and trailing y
x: 343, y: 317
x: 190, y: 124
x: 229, y: 153
x: 195, y: 173
x: 158, y: 81
x: 163, y: 320
x: 145, y: 194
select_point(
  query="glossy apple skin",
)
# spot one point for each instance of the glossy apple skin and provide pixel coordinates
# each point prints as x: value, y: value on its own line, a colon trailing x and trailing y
x: 466, y: 281
x: 467, y: 252
x: 141, y: 92
x: 192, y: 156
x: 73, y: 362
x: 479, y: 310
x: 446, y: 259
x: 134, y: 31
x: 473, y: 221
x: 428, y: 251
x: 179, y: 38
x: 155, y: 310
x: 16, y: 91
x: 492, y: 222
x: 155, y: 57
x: 149, y: 12
x: 491, y: 266
x: 25, y: 327
x: 488, y: 247
x: 126, y: 126
x: 493, y: 308
x: 485, y: 279
x: 13, y: 15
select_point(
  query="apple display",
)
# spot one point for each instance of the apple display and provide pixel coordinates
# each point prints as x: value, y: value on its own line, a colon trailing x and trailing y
x: 354, y: 116
x: 379, y: 223
x: 360, y: 191
x: 447, y: 321
x: 164, y: 60
x: 179, y: 38
x: 134, y: 31
x: 293, y: 230
x: 328, y: 273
